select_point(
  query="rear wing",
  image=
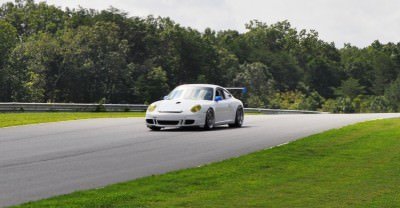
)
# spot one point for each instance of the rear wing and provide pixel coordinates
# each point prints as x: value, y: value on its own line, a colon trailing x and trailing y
x: 243, y: 89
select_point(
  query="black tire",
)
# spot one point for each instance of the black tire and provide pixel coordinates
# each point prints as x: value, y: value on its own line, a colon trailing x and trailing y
x: 210, y: 119
x: 238, y: 118
x: 154, y: 128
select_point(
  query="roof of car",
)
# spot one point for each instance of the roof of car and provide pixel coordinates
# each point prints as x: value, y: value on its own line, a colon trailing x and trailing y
x: 201, y: 85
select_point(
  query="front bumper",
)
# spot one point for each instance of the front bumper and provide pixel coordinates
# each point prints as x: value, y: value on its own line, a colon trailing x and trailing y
x: 175, y: 119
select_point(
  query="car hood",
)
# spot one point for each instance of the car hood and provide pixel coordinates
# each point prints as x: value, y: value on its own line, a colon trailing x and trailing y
x: 178, y: 106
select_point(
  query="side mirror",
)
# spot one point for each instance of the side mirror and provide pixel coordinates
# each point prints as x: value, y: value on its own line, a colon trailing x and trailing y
x: 218, y: 98
x: 166, y: 97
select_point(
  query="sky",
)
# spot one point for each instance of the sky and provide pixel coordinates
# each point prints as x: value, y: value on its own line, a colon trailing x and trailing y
x: 358, y: 22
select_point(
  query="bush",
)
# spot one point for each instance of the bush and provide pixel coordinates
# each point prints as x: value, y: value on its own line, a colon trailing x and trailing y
x: 345, y: 105
x: 255, y: 102
x: 340, y: 105
x: 376, y: 104
x: 296, y: 100
x: 312, y: 102
x: 287, y: 100
x: 330, y: 105
x: 360, y: 104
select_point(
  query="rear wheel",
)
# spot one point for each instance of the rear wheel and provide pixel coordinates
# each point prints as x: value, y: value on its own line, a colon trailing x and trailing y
x: 238, y: 118
x: 154, y: 128
x: 210, y: 120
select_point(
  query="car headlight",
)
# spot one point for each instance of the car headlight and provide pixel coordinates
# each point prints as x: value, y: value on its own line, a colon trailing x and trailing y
x: 151, y: 108
x: 195, y: 108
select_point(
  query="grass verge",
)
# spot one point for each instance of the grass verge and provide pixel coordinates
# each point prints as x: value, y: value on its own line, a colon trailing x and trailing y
x: 15, y: 119
x: 355, y: 166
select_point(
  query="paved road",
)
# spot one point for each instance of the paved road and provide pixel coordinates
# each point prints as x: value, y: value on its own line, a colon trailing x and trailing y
x: 39, y: 161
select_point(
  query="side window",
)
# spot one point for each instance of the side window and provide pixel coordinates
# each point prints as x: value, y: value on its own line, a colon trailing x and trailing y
x: 227, y: 94
x: 220, y: 93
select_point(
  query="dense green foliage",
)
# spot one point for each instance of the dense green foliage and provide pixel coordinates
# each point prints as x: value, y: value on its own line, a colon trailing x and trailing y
x: 49, y: 54
x: 355, y: 166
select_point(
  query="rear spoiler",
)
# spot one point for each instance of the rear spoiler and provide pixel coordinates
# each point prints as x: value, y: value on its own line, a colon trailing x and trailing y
x: 243, y: 89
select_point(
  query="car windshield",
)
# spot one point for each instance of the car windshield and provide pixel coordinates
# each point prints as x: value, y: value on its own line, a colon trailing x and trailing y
x: 191, y: 93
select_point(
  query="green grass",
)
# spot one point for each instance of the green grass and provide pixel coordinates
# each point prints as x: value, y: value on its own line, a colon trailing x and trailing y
x: 355, y: 166
x: 15, y: 119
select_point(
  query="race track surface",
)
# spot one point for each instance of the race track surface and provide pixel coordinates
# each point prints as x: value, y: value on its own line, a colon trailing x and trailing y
x: 39, y: 161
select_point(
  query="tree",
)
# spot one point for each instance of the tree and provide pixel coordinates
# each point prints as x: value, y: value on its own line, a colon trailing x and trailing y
x: 8, y: 39
x: 152, y: 86
x: 350, y: 88
x: 34, y: 65
x: 392, y: 93
x: 96, y: 61
x: 384, y: 64
x: 321, y: 75
x: 358, y: 65
x: 259, y: 81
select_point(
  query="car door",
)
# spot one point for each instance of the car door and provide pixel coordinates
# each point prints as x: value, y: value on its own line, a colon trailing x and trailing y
x: 221, y: 107
x: 231, y: 108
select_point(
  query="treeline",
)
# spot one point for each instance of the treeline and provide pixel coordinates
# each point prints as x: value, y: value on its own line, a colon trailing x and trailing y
x: 48, y: 54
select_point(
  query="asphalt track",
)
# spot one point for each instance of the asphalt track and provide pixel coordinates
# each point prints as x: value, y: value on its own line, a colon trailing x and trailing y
x: 39, y: 161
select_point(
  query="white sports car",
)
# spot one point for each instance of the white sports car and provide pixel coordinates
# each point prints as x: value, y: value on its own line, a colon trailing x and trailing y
x: 201, y: 105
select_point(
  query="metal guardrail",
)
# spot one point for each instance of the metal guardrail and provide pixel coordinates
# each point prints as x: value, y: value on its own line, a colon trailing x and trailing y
x: 281, y: 111
x: 73, y: 107
x: 79, y: 107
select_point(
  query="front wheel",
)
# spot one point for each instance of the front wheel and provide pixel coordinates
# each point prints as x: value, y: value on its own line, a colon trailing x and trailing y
x: 238, y: 118
x: 210, y: 120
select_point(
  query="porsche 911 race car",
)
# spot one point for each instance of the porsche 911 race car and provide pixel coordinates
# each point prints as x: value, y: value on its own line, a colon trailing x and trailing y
x: 191, y: 105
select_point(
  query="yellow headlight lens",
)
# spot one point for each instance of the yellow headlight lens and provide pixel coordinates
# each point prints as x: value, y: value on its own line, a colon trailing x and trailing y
x: 151, y: 108
x: 195, y: 108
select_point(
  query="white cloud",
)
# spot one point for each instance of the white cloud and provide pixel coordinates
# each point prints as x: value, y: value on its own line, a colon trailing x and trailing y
x: 342, y: 21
